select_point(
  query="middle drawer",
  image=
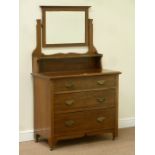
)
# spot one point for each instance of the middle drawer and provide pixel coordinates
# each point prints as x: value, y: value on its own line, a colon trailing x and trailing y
x: 79, y: 100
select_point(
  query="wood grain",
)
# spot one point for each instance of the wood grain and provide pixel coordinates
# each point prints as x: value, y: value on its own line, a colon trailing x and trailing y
x: 82, y: 83
x: 84, y: 100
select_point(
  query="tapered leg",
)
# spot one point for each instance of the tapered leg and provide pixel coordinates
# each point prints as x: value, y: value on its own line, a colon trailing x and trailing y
x: 36, y: 137
x: 113, y: 136
x: 116, y: 132
x: 51, y: 143
x: 52, y: 147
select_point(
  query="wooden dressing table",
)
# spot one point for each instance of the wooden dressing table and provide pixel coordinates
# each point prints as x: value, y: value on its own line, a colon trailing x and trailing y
x: 73, y: 95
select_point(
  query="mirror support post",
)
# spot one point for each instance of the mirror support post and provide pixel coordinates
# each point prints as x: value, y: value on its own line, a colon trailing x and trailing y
x: 91, y: 48
x: 37, y: 51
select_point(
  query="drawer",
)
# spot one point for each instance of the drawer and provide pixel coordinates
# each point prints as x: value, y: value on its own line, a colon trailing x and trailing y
x: 82, y: 83
x: 68, y: 123
x: 101, y: 119
x: 80, y: 100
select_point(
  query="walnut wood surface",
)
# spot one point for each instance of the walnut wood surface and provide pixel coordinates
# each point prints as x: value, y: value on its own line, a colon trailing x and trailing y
x: 75, y: 74
x: 84, y: 121
x: 80, y: 101
x: 81, y: 83
x: 106, y: 118
x: 69, y: 64
x: 42, y: 107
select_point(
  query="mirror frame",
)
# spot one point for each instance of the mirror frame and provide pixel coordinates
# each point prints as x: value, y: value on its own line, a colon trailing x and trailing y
x: 64, y: 8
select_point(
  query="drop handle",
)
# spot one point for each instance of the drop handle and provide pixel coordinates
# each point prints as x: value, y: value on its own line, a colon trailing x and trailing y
x: 69, y: 123
x: 69, y: 102
x: 100, y: 119
x: 69, y: 85
x: 101, y: 99
x: 101, y: 82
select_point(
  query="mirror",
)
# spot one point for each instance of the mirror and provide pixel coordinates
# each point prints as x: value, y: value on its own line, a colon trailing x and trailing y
x: 65, y: 26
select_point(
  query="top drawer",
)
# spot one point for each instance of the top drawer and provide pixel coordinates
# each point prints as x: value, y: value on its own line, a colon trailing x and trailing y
x: 83, y: 83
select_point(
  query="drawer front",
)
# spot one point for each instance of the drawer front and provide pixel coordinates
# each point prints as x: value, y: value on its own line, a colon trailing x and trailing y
x: 69, y: 84
x: 101, y: 119
x: 68, y: 123
x: 80, y: 100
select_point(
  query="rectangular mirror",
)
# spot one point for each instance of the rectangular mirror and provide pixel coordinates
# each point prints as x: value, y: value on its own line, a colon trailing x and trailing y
x: 64, y: 26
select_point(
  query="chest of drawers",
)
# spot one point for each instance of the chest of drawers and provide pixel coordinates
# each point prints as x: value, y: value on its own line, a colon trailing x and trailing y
x: 73, y: 95
x: 71, y: 106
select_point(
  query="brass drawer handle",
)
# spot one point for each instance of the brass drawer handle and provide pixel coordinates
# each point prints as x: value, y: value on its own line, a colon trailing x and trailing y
x: 101, y: 82
x: 69, y: 85
x: 100, y: 119
x: 101, y: 99
x: 69, y: 102
x: 69, y: 123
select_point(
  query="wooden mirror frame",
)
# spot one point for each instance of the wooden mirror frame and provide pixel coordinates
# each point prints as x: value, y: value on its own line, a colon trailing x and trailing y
x: 64, y: 8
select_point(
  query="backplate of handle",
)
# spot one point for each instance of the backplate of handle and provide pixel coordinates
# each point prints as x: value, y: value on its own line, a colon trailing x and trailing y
x: 101, y: 99
x: 69, y: 123
x: 69, y: 85
x: 101, y: 82
x: 100, y: 119
x: 69, y: 102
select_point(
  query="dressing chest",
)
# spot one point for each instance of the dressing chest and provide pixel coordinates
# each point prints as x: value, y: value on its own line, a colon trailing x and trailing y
x: 73, y: 95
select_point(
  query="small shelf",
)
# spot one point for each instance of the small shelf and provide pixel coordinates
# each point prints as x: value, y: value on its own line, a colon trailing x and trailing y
x: 70, y: 55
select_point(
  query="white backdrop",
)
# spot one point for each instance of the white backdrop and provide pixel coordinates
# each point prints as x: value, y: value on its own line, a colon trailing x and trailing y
x: 113, y: 37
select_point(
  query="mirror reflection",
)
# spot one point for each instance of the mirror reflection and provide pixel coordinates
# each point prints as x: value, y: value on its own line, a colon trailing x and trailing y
x: 65, y: 27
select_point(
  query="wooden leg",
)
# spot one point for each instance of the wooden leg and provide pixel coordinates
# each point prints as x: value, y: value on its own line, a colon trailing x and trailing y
x: 113, y: 136
x: 52, y: 148
x: 36, y: 137
x: 51, y: 143
x: 116, y: 132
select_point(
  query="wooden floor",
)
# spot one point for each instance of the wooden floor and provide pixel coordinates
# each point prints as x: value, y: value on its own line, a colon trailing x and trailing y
x: 96, y: 145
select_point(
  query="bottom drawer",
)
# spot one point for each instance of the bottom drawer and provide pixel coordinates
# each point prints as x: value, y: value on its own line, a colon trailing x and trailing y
x: 66, y: 124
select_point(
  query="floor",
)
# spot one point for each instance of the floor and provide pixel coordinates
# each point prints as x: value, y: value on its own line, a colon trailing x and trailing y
x: 95, y: 145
